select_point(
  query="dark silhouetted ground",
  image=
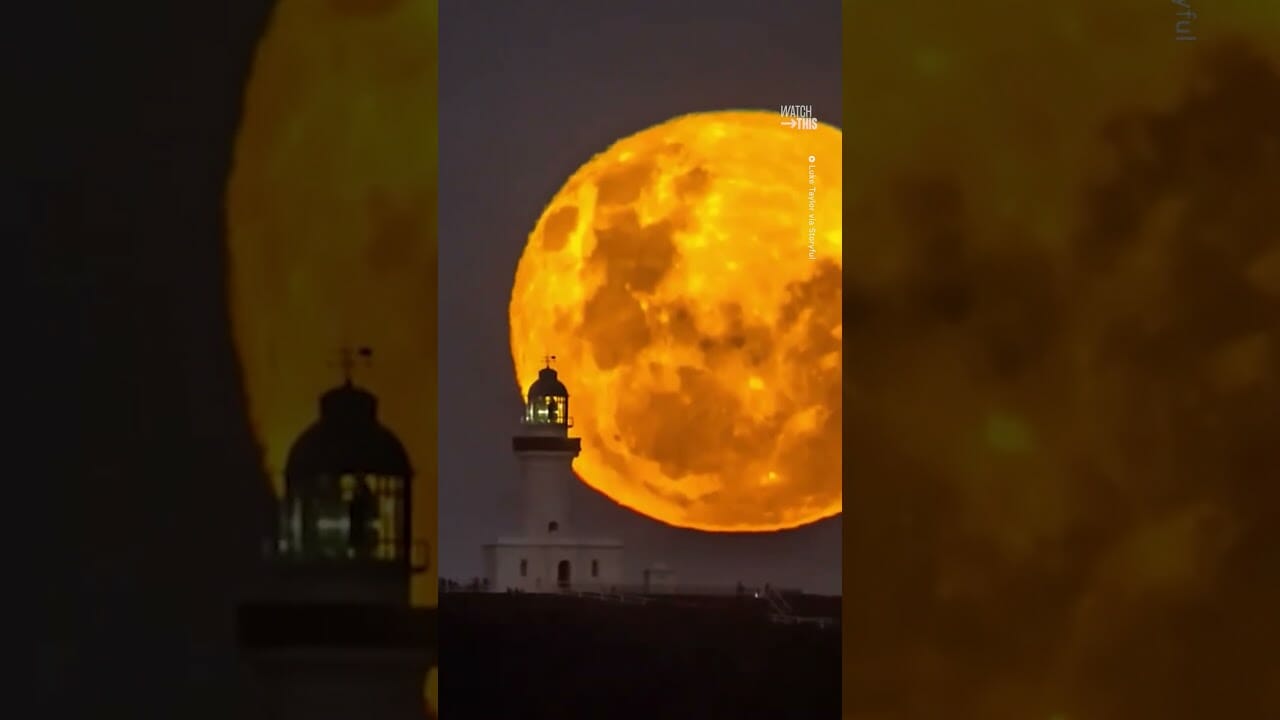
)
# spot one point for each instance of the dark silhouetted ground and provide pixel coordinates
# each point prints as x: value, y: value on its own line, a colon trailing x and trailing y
x: 546, y: 656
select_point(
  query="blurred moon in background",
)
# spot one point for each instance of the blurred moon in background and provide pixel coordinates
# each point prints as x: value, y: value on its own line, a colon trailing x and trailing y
x: 331, y: 226
x: 1063, y: 387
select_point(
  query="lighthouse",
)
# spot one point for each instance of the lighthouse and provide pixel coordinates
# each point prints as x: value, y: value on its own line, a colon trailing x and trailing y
x: 331, y: 633
x: 550, y: 555
x: 545, y: 453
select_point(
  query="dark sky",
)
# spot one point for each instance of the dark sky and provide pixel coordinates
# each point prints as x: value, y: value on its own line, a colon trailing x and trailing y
x: 135, y: 475
x: 523, y: 103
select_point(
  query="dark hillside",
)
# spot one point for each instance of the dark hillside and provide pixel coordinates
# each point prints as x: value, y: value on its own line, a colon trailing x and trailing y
x: 564, y: 657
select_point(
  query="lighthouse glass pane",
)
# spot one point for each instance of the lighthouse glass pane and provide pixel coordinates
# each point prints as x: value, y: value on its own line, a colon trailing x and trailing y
x: 325, y: 521
x: 360, y: 519
x: 390, y: 493
x: 556, y: 410
x: 548, y: 411
x: 292, y: 536
x: 331, y: 536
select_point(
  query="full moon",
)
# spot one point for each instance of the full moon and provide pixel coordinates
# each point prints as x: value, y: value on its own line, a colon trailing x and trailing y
x: 688, y: 281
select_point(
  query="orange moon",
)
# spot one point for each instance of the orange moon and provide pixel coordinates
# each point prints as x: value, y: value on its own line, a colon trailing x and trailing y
x: 688, y: 279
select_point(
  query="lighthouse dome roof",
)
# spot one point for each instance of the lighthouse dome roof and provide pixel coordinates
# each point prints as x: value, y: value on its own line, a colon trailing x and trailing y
x: 547, y: 385
x: 347, y: 439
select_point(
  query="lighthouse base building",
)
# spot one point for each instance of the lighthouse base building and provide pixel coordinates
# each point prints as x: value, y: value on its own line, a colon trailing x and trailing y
x: 546, y: 565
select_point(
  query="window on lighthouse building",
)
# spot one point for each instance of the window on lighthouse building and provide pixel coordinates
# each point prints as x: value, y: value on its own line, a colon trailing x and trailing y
x: 524, y: 567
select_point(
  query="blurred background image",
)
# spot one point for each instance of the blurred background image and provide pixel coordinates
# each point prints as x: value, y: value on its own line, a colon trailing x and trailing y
x: 1061, y: 394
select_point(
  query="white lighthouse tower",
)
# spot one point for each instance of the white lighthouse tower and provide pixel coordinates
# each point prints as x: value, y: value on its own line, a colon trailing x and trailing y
x: 550, y: 556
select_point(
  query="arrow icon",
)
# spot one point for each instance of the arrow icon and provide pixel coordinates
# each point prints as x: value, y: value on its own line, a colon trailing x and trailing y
x: 789, y: 123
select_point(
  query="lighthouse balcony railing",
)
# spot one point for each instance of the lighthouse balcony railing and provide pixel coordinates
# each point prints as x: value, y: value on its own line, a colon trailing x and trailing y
x: 526, y: 419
